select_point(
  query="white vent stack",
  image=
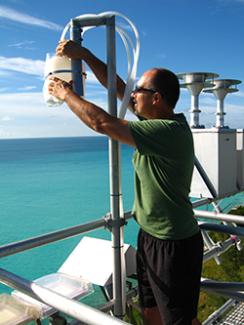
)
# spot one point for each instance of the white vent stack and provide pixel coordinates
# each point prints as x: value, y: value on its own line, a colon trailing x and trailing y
x: 195, y: 82
x: 221, y: 88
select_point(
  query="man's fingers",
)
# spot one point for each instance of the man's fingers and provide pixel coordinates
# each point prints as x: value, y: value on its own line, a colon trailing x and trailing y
x: 54, y: 79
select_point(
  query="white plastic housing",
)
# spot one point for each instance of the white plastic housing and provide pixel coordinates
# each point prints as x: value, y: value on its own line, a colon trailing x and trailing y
x: 59, y: 67
x: 240, y: 158
x: 216, y: 151
x: 92, y: 259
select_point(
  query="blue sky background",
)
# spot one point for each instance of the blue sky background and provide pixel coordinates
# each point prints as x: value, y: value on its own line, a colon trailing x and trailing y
x: 182, y: 35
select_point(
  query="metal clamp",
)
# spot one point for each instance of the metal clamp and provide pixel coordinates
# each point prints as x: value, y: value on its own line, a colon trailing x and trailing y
x: 110, y: 223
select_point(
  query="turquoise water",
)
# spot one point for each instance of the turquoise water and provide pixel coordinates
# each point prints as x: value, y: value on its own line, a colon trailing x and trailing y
x: 50, y: 184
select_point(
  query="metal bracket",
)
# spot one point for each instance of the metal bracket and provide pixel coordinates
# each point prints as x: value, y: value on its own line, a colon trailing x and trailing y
x: 110, y: 223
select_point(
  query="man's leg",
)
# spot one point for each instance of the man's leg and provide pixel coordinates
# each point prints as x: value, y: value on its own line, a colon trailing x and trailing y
x: 150, y: 312
x: 151, y: 316
x: 195, y: 321
x: 172, y: 279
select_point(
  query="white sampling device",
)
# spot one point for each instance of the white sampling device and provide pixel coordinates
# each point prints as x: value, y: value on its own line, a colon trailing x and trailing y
x: 56, y: 66
x: 61, y: 67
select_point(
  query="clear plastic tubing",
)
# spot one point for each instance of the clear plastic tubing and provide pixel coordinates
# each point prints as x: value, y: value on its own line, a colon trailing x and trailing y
x: 127, y: 41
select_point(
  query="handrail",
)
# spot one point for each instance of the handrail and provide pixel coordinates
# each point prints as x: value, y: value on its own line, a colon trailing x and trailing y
x: 20, y: 246
x: 23, y: 245
x: 68, y: 306
x: 239, y: 231
x: 219, y: 216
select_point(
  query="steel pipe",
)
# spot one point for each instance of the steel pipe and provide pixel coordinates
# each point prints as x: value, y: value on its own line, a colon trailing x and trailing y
x: 114, y: 171
x: 218, y: 249
x: 70, y: 307
x: 75, y: 35
x: 20, y: 246
x: 239, y: 231
x: 215, y: 315
x: 219, y: 216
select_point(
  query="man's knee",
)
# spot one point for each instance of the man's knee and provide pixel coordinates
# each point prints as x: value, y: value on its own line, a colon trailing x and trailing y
x: 151, y: 316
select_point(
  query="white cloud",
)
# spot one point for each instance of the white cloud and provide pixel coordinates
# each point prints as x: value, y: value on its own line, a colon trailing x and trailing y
x: 91, y: 79
x: 25, y: 115
x: 33, y: 67
x: 6, y: 119
x: 5, y: 73
x: 27, y: 45
x: 8, y: 13
x: 27, y: 88
x: 28, y: 66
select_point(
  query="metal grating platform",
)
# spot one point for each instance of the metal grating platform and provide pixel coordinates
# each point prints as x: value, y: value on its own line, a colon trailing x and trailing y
x: 234, y: 317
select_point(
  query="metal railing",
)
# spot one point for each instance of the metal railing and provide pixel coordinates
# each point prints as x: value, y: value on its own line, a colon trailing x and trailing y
x: 73, y: 308
x: 88, y: 314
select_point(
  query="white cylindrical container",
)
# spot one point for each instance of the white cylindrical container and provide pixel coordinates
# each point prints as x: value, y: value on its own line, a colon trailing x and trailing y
x: 56, y: 66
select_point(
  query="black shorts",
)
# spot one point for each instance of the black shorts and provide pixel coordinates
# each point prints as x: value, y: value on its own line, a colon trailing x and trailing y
x: 169, y: 273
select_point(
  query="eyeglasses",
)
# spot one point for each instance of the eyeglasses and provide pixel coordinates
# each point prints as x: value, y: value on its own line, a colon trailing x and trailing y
x: 141, y: 89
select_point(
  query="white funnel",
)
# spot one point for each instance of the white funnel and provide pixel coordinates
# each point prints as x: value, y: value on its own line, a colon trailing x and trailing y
x: 220, y: 89
x: 195, y: 82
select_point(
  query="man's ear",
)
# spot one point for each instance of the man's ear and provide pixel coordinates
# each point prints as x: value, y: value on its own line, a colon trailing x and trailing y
x: 157, y: 98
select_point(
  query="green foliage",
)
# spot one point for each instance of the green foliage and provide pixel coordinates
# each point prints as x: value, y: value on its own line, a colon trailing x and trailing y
x: 133, y: 313
x: 230, y: 269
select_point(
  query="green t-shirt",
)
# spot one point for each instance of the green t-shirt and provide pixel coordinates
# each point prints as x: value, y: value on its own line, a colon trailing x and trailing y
x: 163, y: 162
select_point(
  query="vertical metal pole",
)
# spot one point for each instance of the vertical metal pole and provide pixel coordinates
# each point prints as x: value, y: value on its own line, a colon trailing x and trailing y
x: 194, y: 111
x: 114, y: 166
x: 75, y: 35
x: 220, y: 113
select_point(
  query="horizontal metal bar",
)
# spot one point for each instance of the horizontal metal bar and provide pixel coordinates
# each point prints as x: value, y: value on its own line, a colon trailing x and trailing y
x: 219, y: 216
x: 23, y: 245
x: 238, y: 295
x: 20, y: 246
x: 70, y: 307
x: 221, y: 285
x: 239, y: 231
x: 90, y: 21
x: 215, y: 315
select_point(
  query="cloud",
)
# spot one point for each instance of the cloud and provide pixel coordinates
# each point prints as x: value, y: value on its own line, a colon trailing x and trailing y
x: 6, y: 119
x: 25, y: 115
x: 91, y: 79
x: 10, y: 14
x: 33, y: 67
x: 26, y: 45
x: 26, y: 88
x: 28, y: 66
x: 5, y: 73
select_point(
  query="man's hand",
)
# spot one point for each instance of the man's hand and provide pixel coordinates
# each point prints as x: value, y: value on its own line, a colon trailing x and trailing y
x: 71, y: 49
x: 59, y: 88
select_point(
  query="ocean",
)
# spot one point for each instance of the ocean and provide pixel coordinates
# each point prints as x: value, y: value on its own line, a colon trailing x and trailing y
x: 53, y: 183
x: 50, y: 184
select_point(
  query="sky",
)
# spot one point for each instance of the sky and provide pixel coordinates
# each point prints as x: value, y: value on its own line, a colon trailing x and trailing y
x: 181, y: 35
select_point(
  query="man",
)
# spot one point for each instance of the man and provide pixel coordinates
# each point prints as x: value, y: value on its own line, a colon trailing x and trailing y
x: 170, y: 246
